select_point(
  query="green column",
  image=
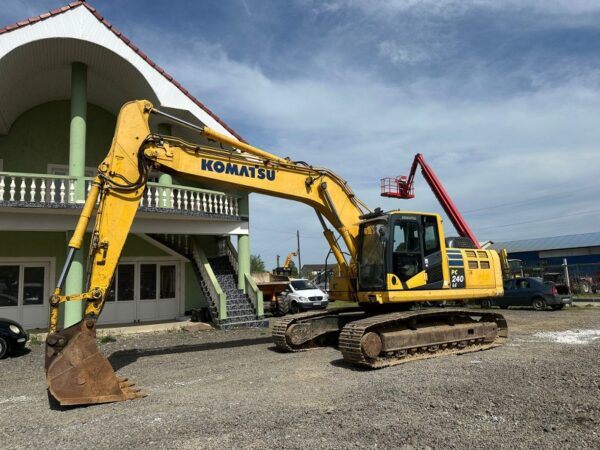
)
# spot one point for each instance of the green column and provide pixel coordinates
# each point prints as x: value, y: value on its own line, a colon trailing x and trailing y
x: 243, y: 246
x: 165, y: 179
x: 78, y: 127
x: 73, y: 312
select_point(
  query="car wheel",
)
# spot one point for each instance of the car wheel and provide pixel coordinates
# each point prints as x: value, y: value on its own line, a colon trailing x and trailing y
x: 557, y: 307
x: 294, y: 309
x: 486, y: 303
x: 538, y: 303
x: 3, y: 348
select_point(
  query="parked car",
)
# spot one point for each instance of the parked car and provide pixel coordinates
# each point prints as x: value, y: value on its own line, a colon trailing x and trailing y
x: 302, y: 295
x: 12, y: 337
x: 528, y: 291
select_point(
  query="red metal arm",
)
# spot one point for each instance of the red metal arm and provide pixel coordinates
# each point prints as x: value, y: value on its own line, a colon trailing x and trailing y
x: 404, y: 189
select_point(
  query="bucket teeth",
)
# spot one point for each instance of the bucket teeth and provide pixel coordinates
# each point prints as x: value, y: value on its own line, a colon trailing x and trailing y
x: 133, y: 393
x: 125, y: 383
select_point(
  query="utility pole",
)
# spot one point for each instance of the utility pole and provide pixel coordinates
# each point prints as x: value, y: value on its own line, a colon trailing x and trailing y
x: 277, y: 262
x: 299, y: 259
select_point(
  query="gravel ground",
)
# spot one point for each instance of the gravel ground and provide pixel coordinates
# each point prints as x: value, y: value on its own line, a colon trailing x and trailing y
x: 217, y: 389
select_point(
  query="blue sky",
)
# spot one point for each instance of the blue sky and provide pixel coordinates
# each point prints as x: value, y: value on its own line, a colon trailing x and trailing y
x: 502, y: 97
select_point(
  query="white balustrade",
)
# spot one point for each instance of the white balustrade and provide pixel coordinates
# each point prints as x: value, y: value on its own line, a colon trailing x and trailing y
x: 183, y: 198
x: 26, y: 188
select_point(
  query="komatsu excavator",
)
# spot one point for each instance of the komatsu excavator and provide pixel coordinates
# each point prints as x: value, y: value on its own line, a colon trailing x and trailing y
x: 396, y: 259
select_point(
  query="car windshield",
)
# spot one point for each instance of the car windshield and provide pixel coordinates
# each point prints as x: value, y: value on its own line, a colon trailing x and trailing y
x: 302, y: 285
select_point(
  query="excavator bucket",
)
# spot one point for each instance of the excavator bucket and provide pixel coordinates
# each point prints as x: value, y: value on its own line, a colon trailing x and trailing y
x: 76, y: 372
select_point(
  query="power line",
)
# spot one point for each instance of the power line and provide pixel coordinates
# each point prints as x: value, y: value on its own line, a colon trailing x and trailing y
x: 532, y: 200
x: 550, y: 219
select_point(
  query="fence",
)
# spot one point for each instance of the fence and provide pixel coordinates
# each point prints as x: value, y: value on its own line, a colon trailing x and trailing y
x: 583, y: 279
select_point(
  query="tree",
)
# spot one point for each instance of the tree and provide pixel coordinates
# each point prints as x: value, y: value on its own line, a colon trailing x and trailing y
x: 294, y: 269
x: 257, y: 264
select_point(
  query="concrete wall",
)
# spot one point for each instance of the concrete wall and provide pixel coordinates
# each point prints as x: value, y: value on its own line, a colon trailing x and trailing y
x: 40, y: 137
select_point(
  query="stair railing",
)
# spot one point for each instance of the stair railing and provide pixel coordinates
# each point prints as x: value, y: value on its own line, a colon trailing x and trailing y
x: 226, y: 249
x: 217, y: 296
x: 255, y: 294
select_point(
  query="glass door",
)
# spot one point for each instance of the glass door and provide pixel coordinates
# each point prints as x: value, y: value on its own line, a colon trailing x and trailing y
x: 168, y: 307
x: 148, y: 299
x: 120, y: 300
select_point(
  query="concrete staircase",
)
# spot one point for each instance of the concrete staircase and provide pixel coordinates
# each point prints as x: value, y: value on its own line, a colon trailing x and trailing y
x: 240, y: 311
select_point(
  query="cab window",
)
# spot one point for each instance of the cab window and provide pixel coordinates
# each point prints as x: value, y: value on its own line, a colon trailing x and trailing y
x: 430, y: 235
x: 406, y: 258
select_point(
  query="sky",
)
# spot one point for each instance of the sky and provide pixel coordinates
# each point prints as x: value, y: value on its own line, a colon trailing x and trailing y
x: 501, y: 96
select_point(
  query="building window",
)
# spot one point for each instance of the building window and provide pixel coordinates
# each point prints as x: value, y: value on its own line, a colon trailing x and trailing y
x: 63, y: 169
x: 125, y: 282
x: 155, y: 281
x: 148, y: 282
x: 167, y: 281
x: 23, y: 284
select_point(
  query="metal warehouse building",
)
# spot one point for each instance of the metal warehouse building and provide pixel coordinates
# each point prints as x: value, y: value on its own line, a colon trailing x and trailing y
x: 550, y: 251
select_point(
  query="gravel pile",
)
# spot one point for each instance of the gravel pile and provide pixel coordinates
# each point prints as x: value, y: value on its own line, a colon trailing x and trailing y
x: 216, y: 389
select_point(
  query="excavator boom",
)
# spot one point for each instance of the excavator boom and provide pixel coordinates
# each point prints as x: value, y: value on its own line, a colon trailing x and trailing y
x: 76, y: 372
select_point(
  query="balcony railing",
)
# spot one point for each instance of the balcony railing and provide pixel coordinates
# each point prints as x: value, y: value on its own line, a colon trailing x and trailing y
x: 32, y: 188
x: 58, y: 191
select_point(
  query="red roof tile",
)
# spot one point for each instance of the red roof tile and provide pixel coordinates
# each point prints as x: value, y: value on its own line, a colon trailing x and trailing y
x: 73, y: 5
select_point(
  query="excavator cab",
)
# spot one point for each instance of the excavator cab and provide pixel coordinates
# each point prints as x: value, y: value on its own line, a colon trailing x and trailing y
x: 399, y: 251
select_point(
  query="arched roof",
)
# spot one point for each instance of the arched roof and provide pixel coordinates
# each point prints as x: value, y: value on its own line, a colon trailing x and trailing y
x: 35, y: 67
x: 40, y: 72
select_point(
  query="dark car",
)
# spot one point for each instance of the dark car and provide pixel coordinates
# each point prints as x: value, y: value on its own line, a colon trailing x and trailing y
x: 12, y: 337
x: 532, y: 292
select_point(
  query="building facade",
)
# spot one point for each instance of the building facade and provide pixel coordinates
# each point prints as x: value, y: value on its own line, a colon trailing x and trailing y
x: 64, y: 75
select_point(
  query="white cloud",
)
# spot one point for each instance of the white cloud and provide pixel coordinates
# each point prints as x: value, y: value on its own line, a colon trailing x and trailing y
x: 489, y: 145
x: 486, y: 152
x: 456, y: 7
x: 403, y: 54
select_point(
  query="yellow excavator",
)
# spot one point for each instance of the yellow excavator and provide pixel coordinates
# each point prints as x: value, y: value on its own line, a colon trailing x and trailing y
x: 285, y: 270
x: 396, y: 260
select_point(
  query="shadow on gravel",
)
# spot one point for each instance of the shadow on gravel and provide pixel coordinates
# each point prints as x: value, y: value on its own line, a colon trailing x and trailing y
x: 346, y: 365
x: 55, y: 406
x: 122, y: 358
x: 19, y: 353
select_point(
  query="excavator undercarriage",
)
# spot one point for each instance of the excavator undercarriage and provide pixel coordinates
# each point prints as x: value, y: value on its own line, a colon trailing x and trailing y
x: 381, y: 340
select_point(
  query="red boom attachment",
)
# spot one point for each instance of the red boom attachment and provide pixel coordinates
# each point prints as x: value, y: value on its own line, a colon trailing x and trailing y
x: 402, y: 187
x: 396, y: 188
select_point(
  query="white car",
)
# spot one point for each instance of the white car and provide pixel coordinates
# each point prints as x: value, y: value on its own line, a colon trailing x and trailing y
x: 302, y: 295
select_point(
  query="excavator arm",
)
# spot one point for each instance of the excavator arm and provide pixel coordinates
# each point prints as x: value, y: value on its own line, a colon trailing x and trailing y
x: 288, y: 259
x: 76, y: 372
